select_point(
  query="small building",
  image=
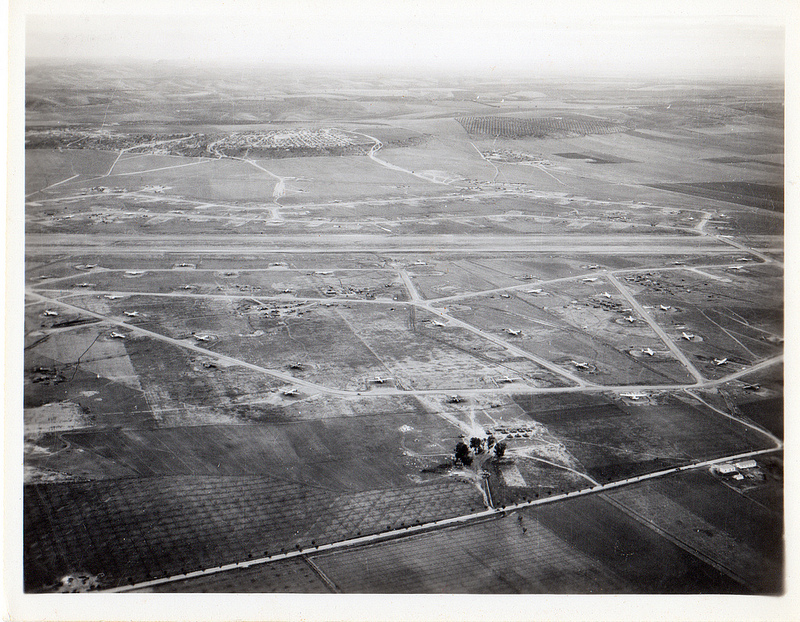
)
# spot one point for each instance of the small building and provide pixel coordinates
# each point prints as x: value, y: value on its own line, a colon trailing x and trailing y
x: 738, y: 476
x: 746, y: 464
x: 726, y: 468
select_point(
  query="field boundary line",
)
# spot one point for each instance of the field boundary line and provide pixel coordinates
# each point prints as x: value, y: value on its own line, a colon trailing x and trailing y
x: 675, y: 540
x: 58, y: 183
x: 325, y: 579
x: 394, y: 534
x: 176, y: 342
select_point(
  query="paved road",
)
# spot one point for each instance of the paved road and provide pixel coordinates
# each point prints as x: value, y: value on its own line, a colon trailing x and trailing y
x: 434, y: 525
x: 657, y: 329
x: 305, y: 242
x: 412, y: 289
x: 507, y: 346
x: 582, y: 385
x: 188, y: 346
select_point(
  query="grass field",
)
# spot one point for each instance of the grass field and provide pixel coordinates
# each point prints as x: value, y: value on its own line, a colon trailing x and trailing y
x: 45, y: 167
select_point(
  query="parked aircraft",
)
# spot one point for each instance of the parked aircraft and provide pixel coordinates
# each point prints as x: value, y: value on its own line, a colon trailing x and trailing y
x: 50, y: 312
x: 719, y: 362
x: 634, y: 396
x: 648, y: 352
x: 688, y: 336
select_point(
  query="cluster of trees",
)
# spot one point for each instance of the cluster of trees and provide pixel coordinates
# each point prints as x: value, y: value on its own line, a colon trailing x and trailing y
x: 540, y: 127
x: 464, y: 453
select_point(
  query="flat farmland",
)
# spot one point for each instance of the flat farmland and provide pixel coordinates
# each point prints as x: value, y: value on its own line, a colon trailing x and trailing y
x: 225, y: 179
x: 767, y: 413
x: 291, y: 575
x: 325, y: 178
x: 137, y: 163
x: 263, y: 311
x: 329, y: 453
x: 445, y: 160
x: 615, y: 441
x: 695, y: 508
x: 138, y: 529
x: 579, y: 546
x: 45, y: 167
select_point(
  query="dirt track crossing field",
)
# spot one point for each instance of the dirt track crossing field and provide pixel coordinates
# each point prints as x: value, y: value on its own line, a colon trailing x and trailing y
x: 256, y: 336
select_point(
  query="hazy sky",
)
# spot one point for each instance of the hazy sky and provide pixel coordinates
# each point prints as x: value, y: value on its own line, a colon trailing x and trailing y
x: 597, y: 38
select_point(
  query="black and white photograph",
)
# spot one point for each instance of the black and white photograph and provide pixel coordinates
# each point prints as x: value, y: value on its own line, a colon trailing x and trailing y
x: 466, y: 299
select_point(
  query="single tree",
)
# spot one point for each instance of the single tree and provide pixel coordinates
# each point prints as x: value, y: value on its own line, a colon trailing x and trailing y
x: 500, y: 449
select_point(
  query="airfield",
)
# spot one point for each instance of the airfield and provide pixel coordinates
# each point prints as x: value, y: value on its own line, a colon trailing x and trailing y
x: 262, y: 311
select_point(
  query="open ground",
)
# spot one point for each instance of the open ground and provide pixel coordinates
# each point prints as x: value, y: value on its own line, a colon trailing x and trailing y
x: 254, y: 339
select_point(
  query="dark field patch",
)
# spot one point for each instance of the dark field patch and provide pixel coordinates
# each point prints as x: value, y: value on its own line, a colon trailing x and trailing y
x: 339, y: 454
x: 742, y: 535
x: 604, y: 533
x: 613, y: 443
x: 104, y: 402
x: 139, y: 529
x: 564, y: 416
x: 544, y: 480
x: 545, y: 403
x: 493, y: 557
x: 766, y: 413
x: 593, y: 159
x: 740, y: 160
x: 742, y: 193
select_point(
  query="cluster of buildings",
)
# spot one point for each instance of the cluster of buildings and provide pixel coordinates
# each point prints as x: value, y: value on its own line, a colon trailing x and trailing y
x: 739, y: 470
